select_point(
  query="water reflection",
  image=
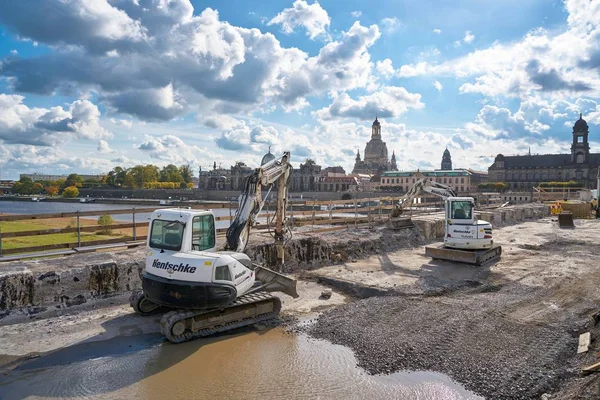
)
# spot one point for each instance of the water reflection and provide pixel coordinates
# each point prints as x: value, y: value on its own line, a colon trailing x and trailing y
x: 251, y: 365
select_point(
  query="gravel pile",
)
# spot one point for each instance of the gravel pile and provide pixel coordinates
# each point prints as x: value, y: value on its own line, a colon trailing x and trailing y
x: 461, y: 336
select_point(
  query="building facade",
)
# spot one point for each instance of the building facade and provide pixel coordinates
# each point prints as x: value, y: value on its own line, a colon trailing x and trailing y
x: 376, y: 158
x: 460, y: 180
x: 527, y: 171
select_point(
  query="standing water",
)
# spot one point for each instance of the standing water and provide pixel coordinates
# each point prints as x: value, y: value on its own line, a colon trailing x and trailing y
x: 250, y: 365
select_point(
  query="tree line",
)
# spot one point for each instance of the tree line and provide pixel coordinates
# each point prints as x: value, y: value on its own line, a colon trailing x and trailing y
x: 138, y: 177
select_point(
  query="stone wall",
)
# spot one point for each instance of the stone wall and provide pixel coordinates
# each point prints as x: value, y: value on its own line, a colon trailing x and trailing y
x: 52, y: 284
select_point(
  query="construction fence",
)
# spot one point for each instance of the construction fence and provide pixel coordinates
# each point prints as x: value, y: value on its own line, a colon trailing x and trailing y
x: 80, y: 230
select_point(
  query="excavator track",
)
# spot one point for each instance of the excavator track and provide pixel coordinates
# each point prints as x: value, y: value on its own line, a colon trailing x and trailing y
x: 184, y: 325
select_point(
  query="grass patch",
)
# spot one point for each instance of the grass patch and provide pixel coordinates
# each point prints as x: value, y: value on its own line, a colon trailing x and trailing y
x: 44, y: 240
x: 42, y: 224
x: 58, y: 238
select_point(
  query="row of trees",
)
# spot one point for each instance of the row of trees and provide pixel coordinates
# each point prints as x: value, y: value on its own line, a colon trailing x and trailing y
x: 150, y: 176
x: 140, y: 176
x: 25, y: 186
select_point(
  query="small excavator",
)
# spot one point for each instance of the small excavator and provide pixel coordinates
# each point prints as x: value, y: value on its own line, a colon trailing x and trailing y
x: 466, y: 239
x: 203, y: 289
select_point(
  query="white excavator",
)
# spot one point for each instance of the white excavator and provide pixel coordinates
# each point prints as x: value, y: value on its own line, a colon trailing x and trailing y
x: 466, y: 239
x: 203, y: 289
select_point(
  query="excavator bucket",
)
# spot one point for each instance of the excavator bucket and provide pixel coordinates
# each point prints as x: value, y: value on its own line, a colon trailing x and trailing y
x: 399, y: 223
x: 272, y: 281
x: 565, y: 220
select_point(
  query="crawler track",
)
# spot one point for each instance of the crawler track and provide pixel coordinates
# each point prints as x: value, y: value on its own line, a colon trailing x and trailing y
x: 183, y: 325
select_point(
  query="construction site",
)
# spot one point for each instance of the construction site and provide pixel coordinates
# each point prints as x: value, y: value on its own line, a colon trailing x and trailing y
x: 429, y: 305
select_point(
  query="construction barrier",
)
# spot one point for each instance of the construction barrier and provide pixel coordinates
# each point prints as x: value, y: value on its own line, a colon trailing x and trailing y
x: 556, y: 208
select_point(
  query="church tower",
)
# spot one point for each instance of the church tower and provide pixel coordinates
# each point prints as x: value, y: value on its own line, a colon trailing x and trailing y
x: 446, y: 161
x: 393, y: 165
x: 357, y: 156
x: 376, y: 129
x: 580, y: 148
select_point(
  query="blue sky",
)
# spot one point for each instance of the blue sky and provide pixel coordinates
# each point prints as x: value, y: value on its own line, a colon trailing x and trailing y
x: 89, y: 85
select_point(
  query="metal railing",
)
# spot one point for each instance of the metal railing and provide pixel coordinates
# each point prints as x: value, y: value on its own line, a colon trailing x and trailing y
x: 321, y: 216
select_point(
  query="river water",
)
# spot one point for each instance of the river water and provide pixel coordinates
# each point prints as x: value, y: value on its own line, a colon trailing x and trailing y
x: 250, y: 365
x: 49, y: 207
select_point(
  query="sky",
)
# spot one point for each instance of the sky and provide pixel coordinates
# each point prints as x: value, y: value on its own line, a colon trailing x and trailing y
x: 89, y: 85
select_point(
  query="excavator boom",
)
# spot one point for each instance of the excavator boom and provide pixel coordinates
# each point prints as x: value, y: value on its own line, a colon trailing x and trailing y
x: 251, y: 201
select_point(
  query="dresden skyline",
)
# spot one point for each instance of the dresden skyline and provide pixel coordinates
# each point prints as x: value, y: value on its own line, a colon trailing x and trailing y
x: 86, y: 86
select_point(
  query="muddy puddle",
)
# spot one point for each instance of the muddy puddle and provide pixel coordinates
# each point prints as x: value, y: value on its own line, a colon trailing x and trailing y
x: 268, y: 364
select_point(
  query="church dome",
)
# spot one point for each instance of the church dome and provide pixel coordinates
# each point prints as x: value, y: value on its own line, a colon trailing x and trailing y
x: 447, y: 152
x: 376, y: 122
x: 267, y: 157
x: 580, y: 125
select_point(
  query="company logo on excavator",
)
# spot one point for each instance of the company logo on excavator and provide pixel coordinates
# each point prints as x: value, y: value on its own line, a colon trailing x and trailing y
x: 175, y: 267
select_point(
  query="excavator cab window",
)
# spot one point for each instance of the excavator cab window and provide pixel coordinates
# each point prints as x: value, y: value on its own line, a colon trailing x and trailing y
x: 203, y: 232
x: 461, y: 210
x: 166, y: 235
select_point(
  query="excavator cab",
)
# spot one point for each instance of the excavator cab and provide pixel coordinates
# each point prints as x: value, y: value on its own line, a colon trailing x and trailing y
x: 459, y: 210
x: 182, y: 230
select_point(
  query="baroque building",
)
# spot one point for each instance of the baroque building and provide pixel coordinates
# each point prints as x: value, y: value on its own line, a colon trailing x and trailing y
x: 376, y: 158
x: 526, y: 171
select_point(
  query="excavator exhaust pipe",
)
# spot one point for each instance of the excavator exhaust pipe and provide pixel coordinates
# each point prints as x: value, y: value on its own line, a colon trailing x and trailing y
x: 272, y: 281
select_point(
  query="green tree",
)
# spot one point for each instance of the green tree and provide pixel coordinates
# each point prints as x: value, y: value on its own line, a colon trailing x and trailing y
x: 116, y: 177
x: 186, y: 173
x: 74, y: 180
x: 70, y: 192
x: 129, y: 180
x: 23, y: 186
x: 170, y: 173
x: 105, y: 221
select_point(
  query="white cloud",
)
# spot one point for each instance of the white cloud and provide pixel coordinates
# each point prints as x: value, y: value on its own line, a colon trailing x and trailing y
x: 103, y: 147
x: 438, y: 86
x: 385, y: 68
x: 312, y: 17
x: 190, y: 62
x: 173, y: 150
x: 20, y: 124
x: 469, y: 37
x: 122, y: 122
x: 356, y: 14
x: 551, y: 62
x: 223, y: 121
x: 390, y: 24
x: 438, y: 31
x: 389, y: 102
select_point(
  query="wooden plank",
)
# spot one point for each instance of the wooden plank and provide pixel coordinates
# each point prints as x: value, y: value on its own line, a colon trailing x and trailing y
x: 584, y: 342
x: 591, y: 368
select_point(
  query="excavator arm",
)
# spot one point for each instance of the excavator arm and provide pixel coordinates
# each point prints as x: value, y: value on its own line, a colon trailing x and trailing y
x: 422, y: 185
x: 251, y: 203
